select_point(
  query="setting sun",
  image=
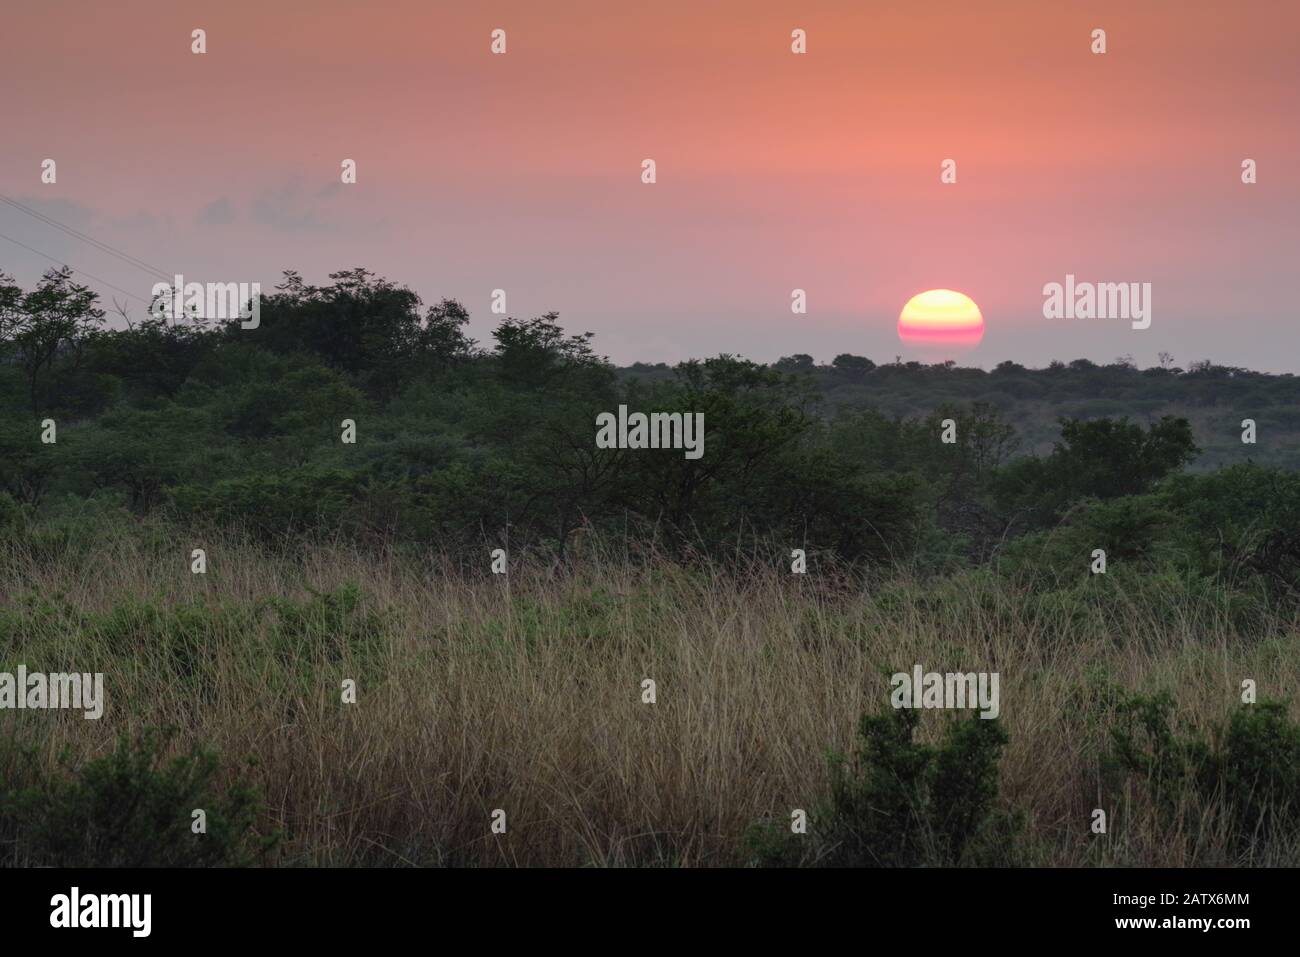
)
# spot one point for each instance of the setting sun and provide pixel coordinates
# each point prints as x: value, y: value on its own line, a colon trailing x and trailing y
x: 941, y: 317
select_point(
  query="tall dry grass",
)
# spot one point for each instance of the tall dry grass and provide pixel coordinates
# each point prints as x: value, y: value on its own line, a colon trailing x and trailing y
x: 523, y: 692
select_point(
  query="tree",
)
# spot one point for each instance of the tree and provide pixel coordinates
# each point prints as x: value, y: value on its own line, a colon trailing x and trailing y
x: 851, y: 366
x: 153, y: 357
x: 1103, y: 459
x: 360, y: 323
x: 142, y: 453
x: 11, y: 300
x: 534, y: 352
x: 799, y: 362
x: 441, y: 339
x: 1108, y: 458
x: 752, y: 414
x: 51, y: 321
x: 27, y: 466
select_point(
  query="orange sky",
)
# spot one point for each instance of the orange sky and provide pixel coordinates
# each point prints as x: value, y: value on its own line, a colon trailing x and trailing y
x: 776, y: 171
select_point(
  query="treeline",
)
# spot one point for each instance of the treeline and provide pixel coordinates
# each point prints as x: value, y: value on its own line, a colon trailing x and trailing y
x: 458, y: 443
x: 1214, y: 398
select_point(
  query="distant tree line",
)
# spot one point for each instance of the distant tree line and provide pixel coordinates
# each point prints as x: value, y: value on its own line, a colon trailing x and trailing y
x: 460, y: 443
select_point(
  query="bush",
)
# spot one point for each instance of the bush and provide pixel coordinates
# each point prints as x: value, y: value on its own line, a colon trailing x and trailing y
x: 900, y: 803
x: 1246, y: 774
x: 130, y: 809
x: 273, y: 506
x: 13, y: 518
x: 332, y: 626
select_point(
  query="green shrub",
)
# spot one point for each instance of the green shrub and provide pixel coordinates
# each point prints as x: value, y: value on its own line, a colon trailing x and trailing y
x: 272, y: 506
x: 1247, y: 771
x: 181, y: 639
x: 131, y: 809
x: 900, y: 803
x: 13, y: 518
x: 332, y: 626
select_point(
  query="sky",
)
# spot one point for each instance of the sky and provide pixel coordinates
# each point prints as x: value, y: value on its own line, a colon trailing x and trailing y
x: 775, y: 171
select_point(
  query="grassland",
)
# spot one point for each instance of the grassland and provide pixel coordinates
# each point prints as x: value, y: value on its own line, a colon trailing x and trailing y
x: 523, y: 692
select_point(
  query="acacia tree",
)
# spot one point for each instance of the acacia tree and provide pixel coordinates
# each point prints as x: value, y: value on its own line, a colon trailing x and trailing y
x: 11, y: 300
x: 46, y: 324
x: 538, y: 352
x: 751, y: 413
x: 361, y: 324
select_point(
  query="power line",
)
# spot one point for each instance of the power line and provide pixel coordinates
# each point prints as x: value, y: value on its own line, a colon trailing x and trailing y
x: 104, y: 247
x: 82, y: 272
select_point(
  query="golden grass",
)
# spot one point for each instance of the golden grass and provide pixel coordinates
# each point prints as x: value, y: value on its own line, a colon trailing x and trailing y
x: 522, y: 692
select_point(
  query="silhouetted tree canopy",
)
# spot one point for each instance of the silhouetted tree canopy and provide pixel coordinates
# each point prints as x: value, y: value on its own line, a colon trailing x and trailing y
x: 204, y: 422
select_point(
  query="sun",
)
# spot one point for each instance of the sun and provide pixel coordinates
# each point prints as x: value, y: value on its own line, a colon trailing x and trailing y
x: 941, y: 318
